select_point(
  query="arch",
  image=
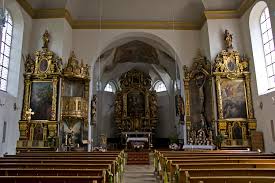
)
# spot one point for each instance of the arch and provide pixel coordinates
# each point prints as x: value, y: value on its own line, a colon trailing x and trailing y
x: 258, y: 47
x: 148, y: 38
x: 16, y: 48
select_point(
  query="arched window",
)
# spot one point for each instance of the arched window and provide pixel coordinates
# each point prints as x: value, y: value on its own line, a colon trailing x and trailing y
x: 262, y: 42
x: 268, y: 43
x: 160, y: 86
x: 5, y: 50
x: 110, y: 87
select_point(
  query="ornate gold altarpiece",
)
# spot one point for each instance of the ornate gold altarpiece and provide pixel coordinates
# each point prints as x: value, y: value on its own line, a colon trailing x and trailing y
x: 198, y: 102
x: 236, y: 119
x: 38, y: 124
x: 74, y: 104
x: 135, y: 104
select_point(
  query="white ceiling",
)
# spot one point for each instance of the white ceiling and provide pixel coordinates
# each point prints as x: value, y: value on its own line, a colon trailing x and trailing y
x: 138, y: 10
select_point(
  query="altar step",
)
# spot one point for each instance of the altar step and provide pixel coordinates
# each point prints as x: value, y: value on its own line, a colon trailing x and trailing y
x: 138, y: 158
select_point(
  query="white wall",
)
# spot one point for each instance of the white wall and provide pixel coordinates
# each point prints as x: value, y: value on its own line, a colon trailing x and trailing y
x: 216, y: 30
x: 204, y: 38
x: 265, y: 114
x: 60, y: 36
x: 22, y: 30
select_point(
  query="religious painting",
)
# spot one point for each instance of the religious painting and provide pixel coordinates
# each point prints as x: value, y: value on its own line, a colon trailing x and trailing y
x: 41, y: 100
x: 136, y: 104
x: 38, y: 132
x: 233, y: 98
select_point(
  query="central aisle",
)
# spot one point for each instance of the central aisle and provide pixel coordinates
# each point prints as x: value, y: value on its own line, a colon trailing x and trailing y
x: 140, y: 173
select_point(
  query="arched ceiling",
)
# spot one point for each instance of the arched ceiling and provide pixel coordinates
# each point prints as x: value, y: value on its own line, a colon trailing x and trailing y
x: 138, y: 10
x: 135, y: 54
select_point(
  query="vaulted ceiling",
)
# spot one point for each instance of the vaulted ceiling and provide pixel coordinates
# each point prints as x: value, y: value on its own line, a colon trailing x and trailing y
x: 138, y: 10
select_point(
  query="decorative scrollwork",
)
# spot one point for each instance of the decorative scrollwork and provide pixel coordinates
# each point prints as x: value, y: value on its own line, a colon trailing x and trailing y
x: 74, y: 69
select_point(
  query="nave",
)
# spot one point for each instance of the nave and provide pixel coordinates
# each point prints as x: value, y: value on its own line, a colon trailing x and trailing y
x: 162, y: 166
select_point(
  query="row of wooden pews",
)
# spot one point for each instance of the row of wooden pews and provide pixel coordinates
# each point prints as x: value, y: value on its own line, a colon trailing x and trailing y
x: 214, y: 167
x: 63, y: 167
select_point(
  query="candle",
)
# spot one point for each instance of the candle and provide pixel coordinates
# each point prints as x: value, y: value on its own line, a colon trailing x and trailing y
x: 66, y: 139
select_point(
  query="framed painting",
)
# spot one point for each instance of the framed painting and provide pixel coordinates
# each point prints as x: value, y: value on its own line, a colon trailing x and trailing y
x: 41, y: 100
x: 233, y: 98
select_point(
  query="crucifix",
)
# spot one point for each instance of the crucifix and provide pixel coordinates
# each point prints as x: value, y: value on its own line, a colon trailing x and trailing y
x: 29, y: 114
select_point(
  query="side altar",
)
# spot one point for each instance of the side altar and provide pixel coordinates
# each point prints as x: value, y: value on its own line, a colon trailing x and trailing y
x: 136, y: 107
x: 38, y: 124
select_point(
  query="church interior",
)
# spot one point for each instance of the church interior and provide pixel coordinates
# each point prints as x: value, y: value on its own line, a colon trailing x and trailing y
x: 131, y: 91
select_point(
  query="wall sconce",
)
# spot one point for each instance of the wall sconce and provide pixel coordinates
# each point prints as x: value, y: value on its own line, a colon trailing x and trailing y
x: 15, y: 107
x: 273, y: 100
x: 261, y: 105
x: 2, y: 102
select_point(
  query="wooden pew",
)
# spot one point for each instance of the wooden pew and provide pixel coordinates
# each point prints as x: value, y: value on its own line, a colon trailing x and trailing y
x: 171, y: 164
x: 232, y: 179
x: 175, y: 168
x: 52, y: 179
x: 184, y: 174
x: 160, y: 158
x: 51, y: 172
x: 56, y: 164
x: 68, y: 166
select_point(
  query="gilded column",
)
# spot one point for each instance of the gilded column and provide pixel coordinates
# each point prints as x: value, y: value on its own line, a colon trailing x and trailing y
x: 219, y: 97
x: 147, y: 109
x: 26, y: 97
x: 124, y: 105
x: 54, y: 97
x: 249, y: 96
x: 187, y: 107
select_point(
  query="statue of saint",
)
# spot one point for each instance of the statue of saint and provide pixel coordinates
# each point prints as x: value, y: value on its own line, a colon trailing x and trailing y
x: 93, y: 109
x: 228, y: 40
x: 46, y: 39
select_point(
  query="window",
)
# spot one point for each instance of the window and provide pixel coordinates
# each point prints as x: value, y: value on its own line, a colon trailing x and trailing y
x: 268, y: 45
x: 110, y: 87
x: 160, y: 86
x: 5, y: 50
x: 262, y: 42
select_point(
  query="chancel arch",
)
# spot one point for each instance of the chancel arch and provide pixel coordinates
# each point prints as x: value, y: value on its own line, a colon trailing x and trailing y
x: 140, y: 56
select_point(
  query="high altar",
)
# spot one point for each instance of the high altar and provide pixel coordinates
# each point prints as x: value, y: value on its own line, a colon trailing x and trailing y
x: 136, y: 106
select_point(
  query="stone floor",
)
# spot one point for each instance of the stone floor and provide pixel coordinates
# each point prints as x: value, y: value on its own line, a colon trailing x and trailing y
x: 139, y: 174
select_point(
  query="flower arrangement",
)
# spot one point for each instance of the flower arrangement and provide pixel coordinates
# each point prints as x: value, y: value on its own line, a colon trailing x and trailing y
x: 174, y: 146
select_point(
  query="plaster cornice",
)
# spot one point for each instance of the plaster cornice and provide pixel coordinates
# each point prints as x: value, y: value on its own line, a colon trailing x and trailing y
x: 230, y: 14
x: 108, y: 24
x: 166, y: 25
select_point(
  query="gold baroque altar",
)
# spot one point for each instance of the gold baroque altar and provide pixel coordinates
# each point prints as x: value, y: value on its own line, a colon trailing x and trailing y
x: 135, y: 104
x: 38, y: 124
x: 236, y: 121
